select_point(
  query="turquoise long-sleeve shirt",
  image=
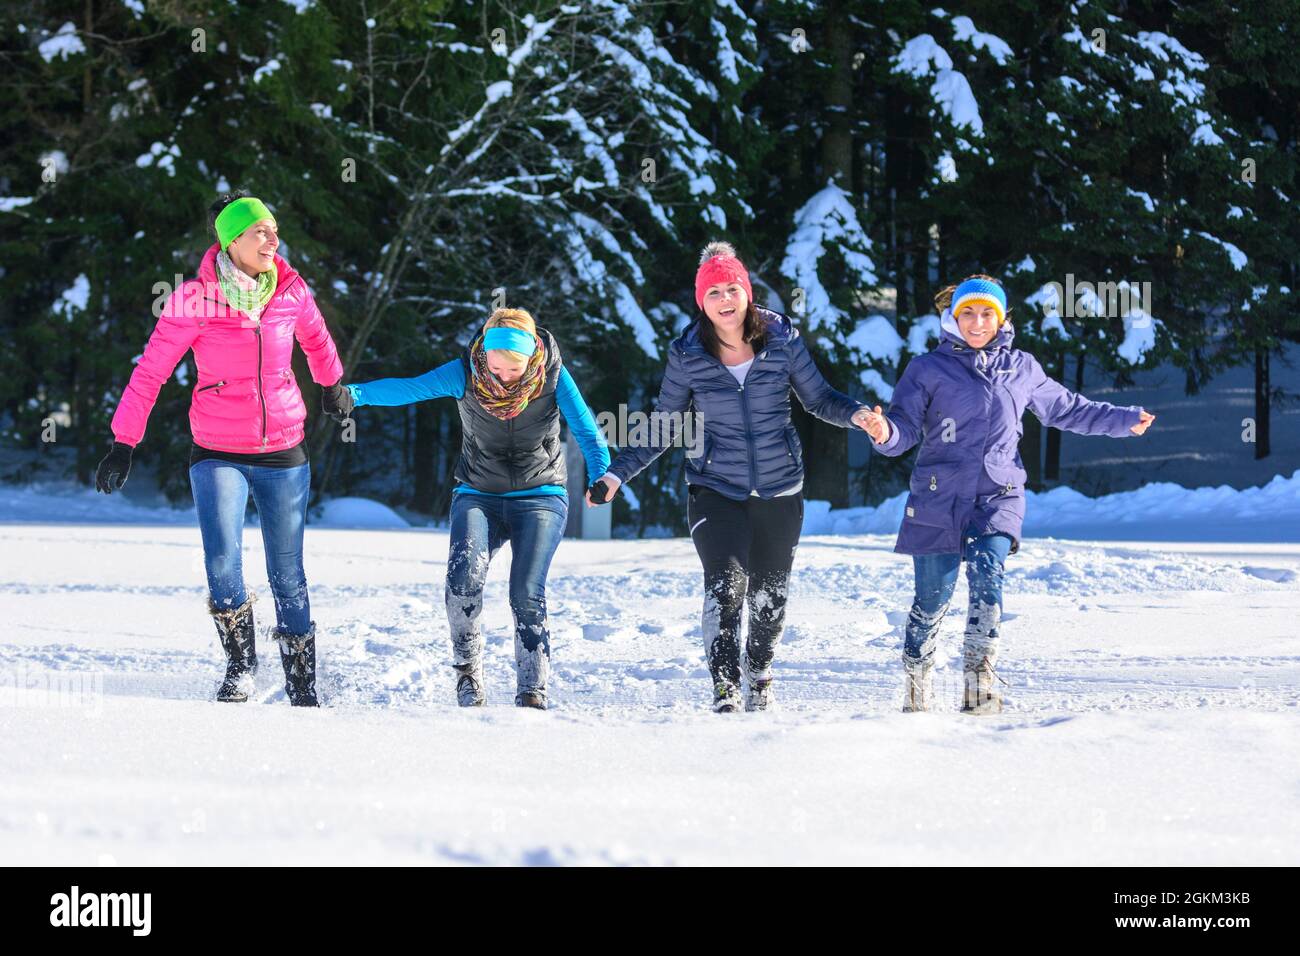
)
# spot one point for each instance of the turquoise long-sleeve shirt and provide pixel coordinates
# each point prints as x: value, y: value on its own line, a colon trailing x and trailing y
x: 448, y: 381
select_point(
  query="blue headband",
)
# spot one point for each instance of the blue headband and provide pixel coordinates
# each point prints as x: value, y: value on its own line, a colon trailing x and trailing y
x: 504, y: 337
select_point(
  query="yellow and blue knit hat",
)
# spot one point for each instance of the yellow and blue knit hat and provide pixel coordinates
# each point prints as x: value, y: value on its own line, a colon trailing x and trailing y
x: 980, y: 292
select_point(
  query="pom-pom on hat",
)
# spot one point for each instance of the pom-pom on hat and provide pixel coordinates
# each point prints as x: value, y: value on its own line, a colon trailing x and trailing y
x: 980, y: 292
x: 719, y: 263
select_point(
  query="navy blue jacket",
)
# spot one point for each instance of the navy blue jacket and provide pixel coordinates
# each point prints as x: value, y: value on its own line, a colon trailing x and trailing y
x: 750, y: 443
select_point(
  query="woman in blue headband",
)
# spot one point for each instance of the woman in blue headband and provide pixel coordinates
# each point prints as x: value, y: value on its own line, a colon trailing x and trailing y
x: 511, y: 387
x: 963, y: 403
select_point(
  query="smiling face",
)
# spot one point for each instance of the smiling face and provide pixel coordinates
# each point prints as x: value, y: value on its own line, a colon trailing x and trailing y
x: 254, y: 250
x: 726, y: 304
x: 506, y: 365
x: 978, y: 323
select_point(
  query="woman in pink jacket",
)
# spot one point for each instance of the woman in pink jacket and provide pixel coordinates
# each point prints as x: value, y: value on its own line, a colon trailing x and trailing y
x: 241, y: 317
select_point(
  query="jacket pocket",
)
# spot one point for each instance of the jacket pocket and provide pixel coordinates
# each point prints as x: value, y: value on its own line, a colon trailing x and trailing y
x: 213, y: 385
x: 792, y: 443
x: 934, y: 488
x: 701, y: 463
x: 1003, y: 466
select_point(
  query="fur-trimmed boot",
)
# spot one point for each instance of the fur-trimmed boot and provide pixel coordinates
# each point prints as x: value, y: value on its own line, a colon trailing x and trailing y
x: 980, y: 695
x: 918, y: 686
x: 298, y: 655
x: 236, y: 633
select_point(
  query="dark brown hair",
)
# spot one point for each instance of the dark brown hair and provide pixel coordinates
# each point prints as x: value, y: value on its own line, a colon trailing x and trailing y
x: 754, y: 332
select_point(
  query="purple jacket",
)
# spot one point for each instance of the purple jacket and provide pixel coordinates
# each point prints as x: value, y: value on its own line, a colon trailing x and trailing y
x: 964, y: 406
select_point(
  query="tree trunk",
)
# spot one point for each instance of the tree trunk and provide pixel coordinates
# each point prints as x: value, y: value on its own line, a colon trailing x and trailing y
x: 920, y: 269
x: 1052, y: 460
x: 81, y: 423
x: 425, y: 452
x: 837, y: 143
x: 1262, y: 403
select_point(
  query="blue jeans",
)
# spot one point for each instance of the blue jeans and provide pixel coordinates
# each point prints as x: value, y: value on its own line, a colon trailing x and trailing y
x: 480, y: 524
x: 936, y: 578
x: 221, y: 491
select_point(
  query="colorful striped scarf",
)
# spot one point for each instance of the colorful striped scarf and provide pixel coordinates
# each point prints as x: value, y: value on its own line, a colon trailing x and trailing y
x: 499, y: 399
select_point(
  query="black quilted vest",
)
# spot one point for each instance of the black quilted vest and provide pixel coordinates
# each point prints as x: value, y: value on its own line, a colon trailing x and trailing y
x: 523, y: 452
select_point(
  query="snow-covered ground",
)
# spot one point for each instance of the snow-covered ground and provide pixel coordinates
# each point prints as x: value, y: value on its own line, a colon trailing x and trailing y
x: 1152, y: 713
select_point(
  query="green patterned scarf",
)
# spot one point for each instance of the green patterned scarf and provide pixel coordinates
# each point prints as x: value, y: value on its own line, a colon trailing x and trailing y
x: 241, y: 290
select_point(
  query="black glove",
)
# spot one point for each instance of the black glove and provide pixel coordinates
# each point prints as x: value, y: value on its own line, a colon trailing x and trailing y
x: 112, y: 471
x: 337, y: 401
x: 599, y: 492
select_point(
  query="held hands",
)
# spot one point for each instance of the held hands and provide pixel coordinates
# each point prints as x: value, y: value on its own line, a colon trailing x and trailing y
x: 336, y: 401
x: 873, y: 423
x: 112, y: 471
x: 604, y: 488
x: 1144, y: 424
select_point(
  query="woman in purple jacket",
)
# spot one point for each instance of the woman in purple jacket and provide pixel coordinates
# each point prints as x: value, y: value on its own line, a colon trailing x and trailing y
x: 963, y: 403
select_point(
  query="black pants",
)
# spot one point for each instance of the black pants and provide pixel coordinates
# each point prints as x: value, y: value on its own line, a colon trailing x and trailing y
x: 746, y: 548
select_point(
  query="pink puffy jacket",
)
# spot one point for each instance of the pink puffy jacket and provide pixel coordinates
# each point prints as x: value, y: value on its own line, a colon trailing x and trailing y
x: 246, y: 399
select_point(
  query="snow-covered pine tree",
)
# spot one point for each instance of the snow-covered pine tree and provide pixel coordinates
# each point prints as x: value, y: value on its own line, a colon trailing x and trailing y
x: 1258, y: 91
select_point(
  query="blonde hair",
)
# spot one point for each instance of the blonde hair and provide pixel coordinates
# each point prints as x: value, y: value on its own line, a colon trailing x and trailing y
x: 943, y: 298
x: 512, y: 319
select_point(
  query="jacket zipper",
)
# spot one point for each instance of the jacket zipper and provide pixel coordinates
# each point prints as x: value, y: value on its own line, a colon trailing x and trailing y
x: 261, y: 392
x: 206, y: 387
x: 257, y: 330
x: 510, y: 454
x: 749, y: 439
x: 744, y: 407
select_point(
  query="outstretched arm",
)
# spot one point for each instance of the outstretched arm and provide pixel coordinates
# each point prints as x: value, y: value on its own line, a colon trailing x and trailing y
x: 905, y: 419
x: 170, y: 340
x: 445, y: 381
x: 674, y: 396
x: 814, y: 392
x: 1058, y: 407
x: 583, y: 424
x: 314, y: 337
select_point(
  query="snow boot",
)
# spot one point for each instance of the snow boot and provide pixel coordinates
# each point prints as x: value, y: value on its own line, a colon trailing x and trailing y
x: 237, y: 636
x: 980, y: 696
x: 535, y: 699
x: 532, y: 665
x: 726, y: 698
x: 917, y: 686
x: 469, y: 686
x: 761, y: 693
x: 298, y: 655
